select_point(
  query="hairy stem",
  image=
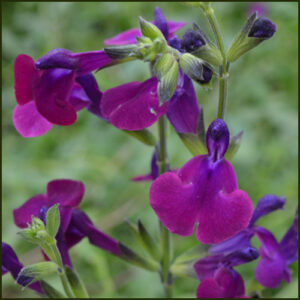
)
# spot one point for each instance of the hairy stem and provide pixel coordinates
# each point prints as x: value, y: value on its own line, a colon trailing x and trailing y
x: 223, y: 70
x: 162, y: 160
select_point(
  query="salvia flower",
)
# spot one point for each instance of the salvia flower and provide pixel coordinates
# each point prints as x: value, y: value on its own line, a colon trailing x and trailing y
x: 75, y: 224
x: 45, y: 97
x: 255, y: 31
x: 258, y: 7
x: 203, y: 191
x: 275, y: 257
x: 217, y: 276
x: 11, y: 264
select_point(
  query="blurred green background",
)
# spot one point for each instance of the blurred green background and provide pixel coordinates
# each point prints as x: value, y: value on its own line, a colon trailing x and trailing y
x: 262, y: 101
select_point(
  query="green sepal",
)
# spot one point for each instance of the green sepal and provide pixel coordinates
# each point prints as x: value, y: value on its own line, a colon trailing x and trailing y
x: 192, y: 254
x: 234, y: 145
x: 193, y: 143
x: 53, y: 220
x: 132, y: 257
x: 201, y: 133
x: 184, y: 270
x: 39, y: 271
x: 167, y: 84
x: 76, y: 283
x: 148, y: 242
x: 121, y: 51
x: 163, y: 65
x: 50, y: 291
x: 242, y: 43
x: 145, y: 136
x: 150, y: 30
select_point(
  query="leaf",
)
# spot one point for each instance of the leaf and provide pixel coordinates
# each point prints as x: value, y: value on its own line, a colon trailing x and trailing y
x: 145, y: 136
x: 53, y: 220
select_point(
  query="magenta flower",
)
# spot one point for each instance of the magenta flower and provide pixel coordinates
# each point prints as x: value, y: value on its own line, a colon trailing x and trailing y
x: 217, y: 276
x: 275, y: 257
x: 168, y: 28
x: 75, y: 224
x: 204, y: 191
x: 11, y: 264
x: 258, y: 7
x: 45, y: 98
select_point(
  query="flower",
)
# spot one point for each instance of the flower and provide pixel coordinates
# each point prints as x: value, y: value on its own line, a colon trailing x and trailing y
x: 262, y: 28
x: 45, y: 97
x: 275, y: 257
x: 11, y: 264
x: 74, y: 225
x: 258, y: 7
x: 218, y: 278
x: 204, y: 190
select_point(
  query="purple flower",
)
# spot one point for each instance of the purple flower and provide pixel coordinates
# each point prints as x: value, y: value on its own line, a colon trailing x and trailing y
x: 168, y: 28
x: 11, y: 264
x: 133, y: 105
x: 191, y: 41
x: 262, y: 28
x: 45, y: 98
x: 203, y: 191
x: 275, y: 257
x: 217, y: 276
x: 74, y: 225
x: 258, y: 7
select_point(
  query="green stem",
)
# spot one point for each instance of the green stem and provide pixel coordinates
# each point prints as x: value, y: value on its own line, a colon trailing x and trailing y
x: 63, y: 277
x: 223, y: 70
x: 162, y: 161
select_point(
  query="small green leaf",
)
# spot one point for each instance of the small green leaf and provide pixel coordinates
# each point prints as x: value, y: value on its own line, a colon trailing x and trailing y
x: 234, y: 145
x: 39, y: 271
x: 53, y: 220
x: 50, y: 291
x: 168, y: 83
x: 76, y: 283
x: 150, y: 30
x: 145, y: 136
x: 132, y: 257
x: 193, y: 143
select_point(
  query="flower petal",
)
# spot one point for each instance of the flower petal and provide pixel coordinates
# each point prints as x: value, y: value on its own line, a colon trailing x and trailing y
x: 101, y: 240
x: 266, y: 205
x: 174, y: 26
x: 207, y: 266
x: 183, y: 109
x: 32, y: 207
x: 26, y: 77
x: 65, y: 192
x: 132, y: 106
x: 52, y: 94
x: 270, y: 271
x: 209, y: 288
x: 160, y: 22
x: 289, y: 243
x: 78, y: 98
x: 123, y: 38
x: 29, y: 122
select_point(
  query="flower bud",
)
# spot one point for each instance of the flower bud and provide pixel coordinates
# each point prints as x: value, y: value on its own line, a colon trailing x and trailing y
x: 149, y: 30
x: 118, y: 52
x: 254, y: 32
x: 191, y: 41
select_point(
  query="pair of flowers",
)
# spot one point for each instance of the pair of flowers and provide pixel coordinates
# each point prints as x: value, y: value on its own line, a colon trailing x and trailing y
x: 74, y: 226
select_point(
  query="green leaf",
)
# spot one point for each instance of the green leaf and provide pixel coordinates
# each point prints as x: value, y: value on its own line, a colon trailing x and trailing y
x: 193, y: 143
x: 53, y: 220
x: 39, y: 271
x: 234, y: 145
x: 132, y: 257
x: 76, y: 283
x: 148, y: 241
x: 50, y: 291
x: 168, y: 83
x: 145, y: 136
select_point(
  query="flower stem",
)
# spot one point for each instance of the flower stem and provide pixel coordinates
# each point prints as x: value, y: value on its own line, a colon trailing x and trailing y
x: 63, y: 277
x: 223, y: 70
x: 162, y: 160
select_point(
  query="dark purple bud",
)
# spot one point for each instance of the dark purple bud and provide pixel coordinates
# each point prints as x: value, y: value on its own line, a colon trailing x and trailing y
x: 43, y: 213
x: 175, y: 43
x: 266, y: 205
x: 240, y: 257
x: 58, y: 58
x: 207, y: 75
x: 192, y: 41
x: 160, y: 22
x: 217, y: 139
x: 262, y: 28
